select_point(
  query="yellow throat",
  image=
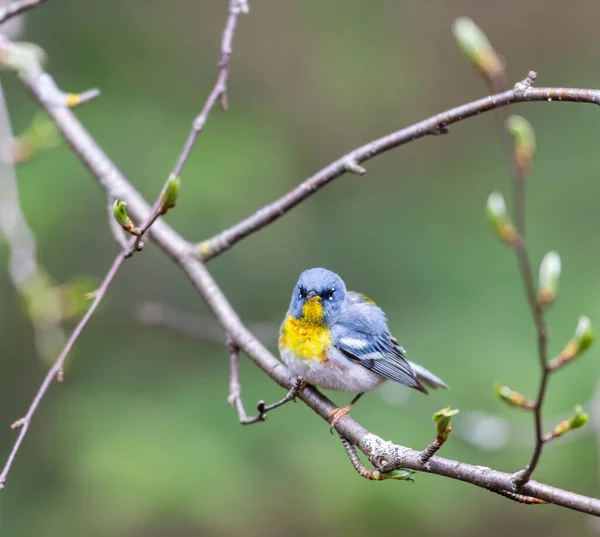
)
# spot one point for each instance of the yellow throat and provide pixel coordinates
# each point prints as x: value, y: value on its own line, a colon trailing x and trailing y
x: 307, y: 337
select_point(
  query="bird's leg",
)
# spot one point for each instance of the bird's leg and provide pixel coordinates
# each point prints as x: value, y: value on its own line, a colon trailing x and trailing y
x: 336, y: 414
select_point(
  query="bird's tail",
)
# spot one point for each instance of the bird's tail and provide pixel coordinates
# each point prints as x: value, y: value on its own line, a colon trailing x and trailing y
x: 426, y: 377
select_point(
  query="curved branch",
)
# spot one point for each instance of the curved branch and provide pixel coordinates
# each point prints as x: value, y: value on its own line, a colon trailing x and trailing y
x: 16, y: 8
x: 384, y: 455
x: 434, y: 125
x: 53, y: 100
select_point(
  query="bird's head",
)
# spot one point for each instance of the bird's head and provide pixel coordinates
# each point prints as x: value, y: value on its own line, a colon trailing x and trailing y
x: 318, y: 297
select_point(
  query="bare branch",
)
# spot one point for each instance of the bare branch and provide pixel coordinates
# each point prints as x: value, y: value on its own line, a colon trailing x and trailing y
x: 498, y: 83
x: 25, y: 421
x: 219, y: 91
x: 519, y: 498
x: 373, y: 475
x: 235, y: 397
x: 17, y: 7
x: 194, y: 325
x: 226, y: 239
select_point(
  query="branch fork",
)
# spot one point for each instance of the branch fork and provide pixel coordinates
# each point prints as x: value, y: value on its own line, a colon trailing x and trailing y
x: 235, y: 398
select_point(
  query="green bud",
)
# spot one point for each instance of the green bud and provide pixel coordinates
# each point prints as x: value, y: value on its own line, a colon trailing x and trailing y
x: 475, y: 46
x: 584, y: 337
x: 511, y: 397
x: 442, y: 420
x: 550, y: 269
x: 399, y: 475
x: 579, y: 419
x: 121, y: 216
x: 498, y: 218
x: 523, y: 137
x: 170, y: 193
x: 584, y: 333
x: 120, y: 212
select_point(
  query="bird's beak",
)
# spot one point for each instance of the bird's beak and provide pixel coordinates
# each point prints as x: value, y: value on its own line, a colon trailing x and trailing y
x: 312, y: 297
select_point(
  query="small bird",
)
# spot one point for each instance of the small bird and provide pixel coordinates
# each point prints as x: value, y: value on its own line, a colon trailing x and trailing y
x: 339, y: 340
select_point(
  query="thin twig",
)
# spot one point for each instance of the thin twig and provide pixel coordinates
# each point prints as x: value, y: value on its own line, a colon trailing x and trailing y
x: 384, y: 455
x: 138, y: 244
x: 25, y: 421
x: 499, y: 83
x: 431, y: 449
x: 226, y: 239
x: 193, y: 325
x: 235, y: 396
x: 363, y: 471
x: 219, y: 90
x: 519, y: 498
x: 17, y: 7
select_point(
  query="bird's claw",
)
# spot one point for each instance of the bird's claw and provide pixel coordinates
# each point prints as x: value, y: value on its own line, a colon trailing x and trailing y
x: 337, y: 414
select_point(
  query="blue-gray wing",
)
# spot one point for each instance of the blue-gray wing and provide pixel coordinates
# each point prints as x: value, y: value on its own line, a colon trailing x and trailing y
x: 379, y: 354
x: 363, y: 337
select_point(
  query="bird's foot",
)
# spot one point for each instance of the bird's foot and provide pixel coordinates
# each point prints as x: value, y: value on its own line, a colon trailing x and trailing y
x: 336, y: 414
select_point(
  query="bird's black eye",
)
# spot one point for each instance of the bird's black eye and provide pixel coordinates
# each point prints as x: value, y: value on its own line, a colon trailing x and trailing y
x: 328, y: 294
x: 302, y: 292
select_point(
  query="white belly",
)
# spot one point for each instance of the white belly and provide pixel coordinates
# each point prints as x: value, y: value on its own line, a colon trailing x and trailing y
x: 336, y: 373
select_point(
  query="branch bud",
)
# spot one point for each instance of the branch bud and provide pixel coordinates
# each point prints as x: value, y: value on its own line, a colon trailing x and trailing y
x: 499, y: 220
x: 523, y: 137
x: 579, y: 419
x: 353, y: 167
x: 121, y: 216
x: 401, y: 474
x: 170, y: 193
x: 584, y: 337
x: 513, y: 398
x: 550, y: 268
x: 476, y: 48
x: 442, y: 420
x: 75, y: 99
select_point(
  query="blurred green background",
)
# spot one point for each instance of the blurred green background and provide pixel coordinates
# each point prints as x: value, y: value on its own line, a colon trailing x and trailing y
x: 139, y: 440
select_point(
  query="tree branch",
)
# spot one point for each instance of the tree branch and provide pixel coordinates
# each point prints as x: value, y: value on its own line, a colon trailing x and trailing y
x: 497, y: 82
x: 219, y: 91
x: 224, y: 240
x: 385, y: 456
x: 56, y: 368
x: 193, y: 325
x: 17, y: 7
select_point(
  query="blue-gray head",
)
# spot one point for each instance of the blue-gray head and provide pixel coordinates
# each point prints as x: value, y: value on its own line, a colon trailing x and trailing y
x: 318, y: 297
